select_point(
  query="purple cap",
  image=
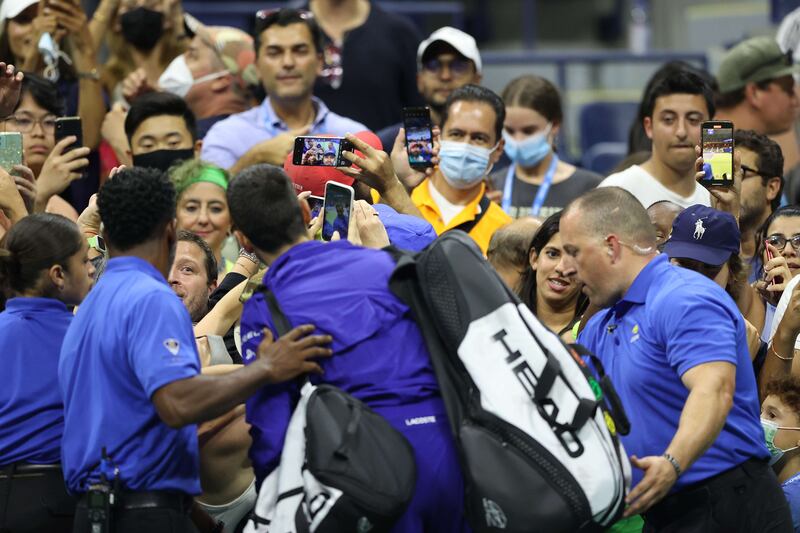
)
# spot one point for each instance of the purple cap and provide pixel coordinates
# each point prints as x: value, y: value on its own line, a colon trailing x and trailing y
x: 704, y: 234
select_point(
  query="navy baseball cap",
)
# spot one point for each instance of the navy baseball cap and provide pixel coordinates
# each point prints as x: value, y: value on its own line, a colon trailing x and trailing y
x: 704, y: 234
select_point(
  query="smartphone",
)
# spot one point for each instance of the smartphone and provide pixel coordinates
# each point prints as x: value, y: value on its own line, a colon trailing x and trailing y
x: 321, y: 151
x: 337, y: 210
x: 717, y: 147
x: 776, y: 279
x: 419, y: 136
x: 66, y: 126
x: 315, y: 203
x: 10, y: 150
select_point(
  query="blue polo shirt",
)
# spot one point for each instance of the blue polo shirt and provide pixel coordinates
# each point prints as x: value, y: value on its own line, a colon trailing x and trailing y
x: 379, y: 356
x: 670, y: 320
x: 130, y: 337
x: 31, y: 411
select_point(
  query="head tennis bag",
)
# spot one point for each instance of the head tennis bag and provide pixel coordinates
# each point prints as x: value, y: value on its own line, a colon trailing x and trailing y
x: 343, y: 466
x: 536, y: 431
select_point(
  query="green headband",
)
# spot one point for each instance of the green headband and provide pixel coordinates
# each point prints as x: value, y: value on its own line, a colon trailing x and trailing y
x: 210, y: 175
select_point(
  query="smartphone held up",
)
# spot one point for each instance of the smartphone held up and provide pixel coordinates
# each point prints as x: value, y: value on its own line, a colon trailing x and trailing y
x: 321, y: 151
x: 10, y: 150
x: 419, y: 136
x: 336, y: 210
x: 717, y: 147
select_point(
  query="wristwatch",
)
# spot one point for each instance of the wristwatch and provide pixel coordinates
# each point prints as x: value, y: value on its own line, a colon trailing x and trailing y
x: 98, y: 243
x: 249, y: 255
x: 674, y: 463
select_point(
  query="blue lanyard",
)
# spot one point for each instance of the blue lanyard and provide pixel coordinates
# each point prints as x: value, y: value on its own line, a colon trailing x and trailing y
x: 541, y: 195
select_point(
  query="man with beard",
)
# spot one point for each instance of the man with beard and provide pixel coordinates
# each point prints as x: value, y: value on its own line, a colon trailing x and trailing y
x: 762, y: 183
x: 193, y: 274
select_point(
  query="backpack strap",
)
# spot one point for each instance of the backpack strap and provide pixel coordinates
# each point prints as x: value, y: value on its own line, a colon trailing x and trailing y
x: 611, y: 400
x: 467, y: 226
x: 282, y: 325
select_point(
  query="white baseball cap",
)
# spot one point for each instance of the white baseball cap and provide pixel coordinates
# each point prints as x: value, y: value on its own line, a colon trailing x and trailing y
x: 9, y: 9
x: 464, y: 44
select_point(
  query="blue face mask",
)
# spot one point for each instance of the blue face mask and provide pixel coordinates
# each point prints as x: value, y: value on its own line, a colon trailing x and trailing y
x: 464, y: 165
x: 530, y: 151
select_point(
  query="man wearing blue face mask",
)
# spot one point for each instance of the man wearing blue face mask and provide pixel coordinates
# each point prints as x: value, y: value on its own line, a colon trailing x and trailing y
x: 454, y: 197
x: 537, y: 183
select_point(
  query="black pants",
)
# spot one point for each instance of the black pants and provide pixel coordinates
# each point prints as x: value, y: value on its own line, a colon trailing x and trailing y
x: 746, y: 498
x: 159, y: 519
x: 35, y: 502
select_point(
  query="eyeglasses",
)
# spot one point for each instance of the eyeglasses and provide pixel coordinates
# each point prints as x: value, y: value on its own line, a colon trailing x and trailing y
x: 24, y: 122
x: 778, y: 240
x: 753, y: 172
x: 457, y: 67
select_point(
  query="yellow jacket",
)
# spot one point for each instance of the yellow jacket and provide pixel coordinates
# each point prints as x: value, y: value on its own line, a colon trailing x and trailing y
x: 482, y: 232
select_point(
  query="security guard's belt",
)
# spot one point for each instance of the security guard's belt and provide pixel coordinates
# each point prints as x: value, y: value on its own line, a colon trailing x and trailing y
x: 129, y: 500
x: 25, y: 469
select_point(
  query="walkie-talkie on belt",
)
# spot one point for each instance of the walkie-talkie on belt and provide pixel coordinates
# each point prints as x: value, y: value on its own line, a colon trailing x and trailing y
x: 101, y: 498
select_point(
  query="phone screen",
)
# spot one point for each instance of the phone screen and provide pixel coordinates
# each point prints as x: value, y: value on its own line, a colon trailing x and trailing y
x: 315, y: 204
x: 337, y: 210
x: 419, y: 139
x: 717, y: 141
x: 318, y: 151
x: 10, y: 150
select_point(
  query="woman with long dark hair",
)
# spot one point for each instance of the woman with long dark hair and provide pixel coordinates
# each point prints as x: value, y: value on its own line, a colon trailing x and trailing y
x: 550, y: 290
x: 44, y: 269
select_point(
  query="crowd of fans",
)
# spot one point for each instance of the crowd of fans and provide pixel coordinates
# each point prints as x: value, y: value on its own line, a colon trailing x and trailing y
x: 185, y: 185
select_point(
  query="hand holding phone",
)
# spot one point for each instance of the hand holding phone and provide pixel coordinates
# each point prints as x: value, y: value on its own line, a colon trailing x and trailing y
x: 770, y: 256
x: 66, y: 126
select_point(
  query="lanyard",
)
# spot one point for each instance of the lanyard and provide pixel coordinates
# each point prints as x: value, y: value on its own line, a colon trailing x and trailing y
x: 541, y: 194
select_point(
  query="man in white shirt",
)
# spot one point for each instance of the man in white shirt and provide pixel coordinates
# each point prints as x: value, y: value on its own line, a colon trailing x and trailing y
x: 675, y: 108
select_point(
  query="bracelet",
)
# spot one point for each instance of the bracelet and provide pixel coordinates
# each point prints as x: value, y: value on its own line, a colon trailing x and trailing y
x: 91, y: 75
x: 674, y: 463
x: 779, y: 356
x: 249, y: 255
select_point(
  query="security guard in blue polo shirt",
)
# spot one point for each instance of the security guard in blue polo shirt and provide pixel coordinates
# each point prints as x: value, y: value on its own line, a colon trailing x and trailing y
x: 44, y: 267
x: 674, y: 344
x: 129, y: 368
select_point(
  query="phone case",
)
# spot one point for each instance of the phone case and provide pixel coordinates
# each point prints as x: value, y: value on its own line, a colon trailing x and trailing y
x: 10, y: 150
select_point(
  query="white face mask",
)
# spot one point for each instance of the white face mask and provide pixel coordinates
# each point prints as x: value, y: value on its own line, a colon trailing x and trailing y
x: 177, y: 78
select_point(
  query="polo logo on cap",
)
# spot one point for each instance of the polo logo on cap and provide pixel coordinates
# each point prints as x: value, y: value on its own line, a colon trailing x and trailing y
x: 172, y: 345
x: 699, y: 230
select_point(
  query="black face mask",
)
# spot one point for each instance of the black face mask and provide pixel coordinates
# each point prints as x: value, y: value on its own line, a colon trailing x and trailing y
x: 142, y: 27
x: 162, y: 159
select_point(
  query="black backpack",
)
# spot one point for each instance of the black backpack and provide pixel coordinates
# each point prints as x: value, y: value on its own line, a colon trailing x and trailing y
x: 358, y: 473
x: 535, y: 429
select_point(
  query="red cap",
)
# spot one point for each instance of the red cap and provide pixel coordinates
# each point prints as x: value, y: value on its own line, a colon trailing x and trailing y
x: 313, y: 179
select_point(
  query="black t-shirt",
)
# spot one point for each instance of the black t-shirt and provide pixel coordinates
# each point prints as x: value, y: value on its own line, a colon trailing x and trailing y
x: 378, y: 71
x: 558, y: 197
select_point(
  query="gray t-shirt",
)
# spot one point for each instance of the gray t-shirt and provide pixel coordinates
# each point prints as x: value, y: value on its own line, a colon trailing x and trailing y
x: 558, y: 197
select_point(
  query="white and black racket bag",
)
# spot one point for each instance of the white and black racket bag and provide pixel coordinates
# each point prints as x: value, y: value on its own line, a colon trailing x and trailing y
x: 535, y: 428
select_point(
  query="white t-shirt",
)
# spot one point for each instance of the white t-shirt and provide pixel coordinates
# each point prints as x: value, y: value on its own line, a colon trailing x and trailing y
x: 783, y: 303
x: 649, y: 190
x: 448, y: 209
